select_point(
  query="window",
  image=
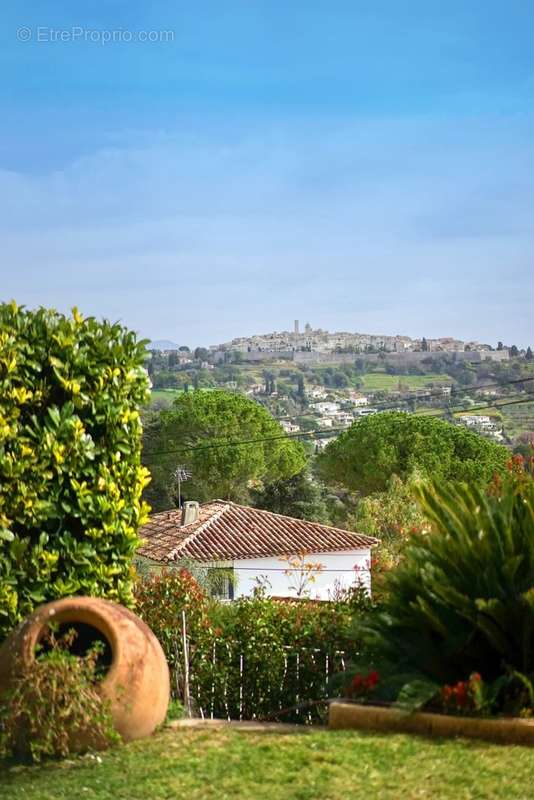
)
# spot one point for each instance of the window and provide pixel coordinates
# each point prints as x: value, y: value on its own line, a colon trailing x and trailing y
x: 221, y: 582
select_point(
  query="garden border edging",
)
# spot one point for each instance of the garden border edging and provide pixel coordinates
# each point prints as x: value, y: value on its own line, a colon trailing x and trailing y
x: 352, y: 716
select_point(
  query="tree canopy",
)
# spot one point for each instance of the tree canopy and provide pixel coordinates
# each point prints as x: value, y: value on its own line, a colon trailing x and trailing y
x: 197, y: 431
x: 299, y: 496
x: 395, y: 443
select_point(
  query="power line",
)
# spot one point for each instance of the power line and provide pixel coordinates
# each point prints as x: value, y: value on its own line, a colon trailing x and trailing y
x: 439, y: 392
x: 387, y: 404
x: 312, y: 433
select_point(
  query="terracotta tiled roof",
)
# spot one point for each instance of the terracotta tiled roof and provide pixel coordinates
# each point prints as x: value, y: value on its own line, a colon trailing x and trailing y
x: 227, y: 531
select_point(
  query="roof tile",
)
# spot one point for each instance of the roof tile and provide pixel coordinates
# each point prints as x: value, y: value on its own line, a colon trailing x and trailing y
x: 228, y: 531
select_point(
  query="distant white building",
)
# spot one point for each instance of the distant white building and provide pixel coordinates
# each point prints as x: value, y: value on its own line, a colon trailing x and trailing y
x: 317, y: 393
x: 288, y: 426
x: 483, y: 424
x: 326, y: 422
x: 475, y: 420
x: 343, y: 418
x: 326, y: 407
x: 365, y: 412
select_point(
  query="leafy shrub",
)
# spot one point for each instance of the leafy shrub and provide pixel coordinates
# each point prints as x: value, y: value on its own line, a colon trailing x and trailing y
x: 391, y: 516
x: 253, y: 657
x: 70, y: 471
x: 462, y: 600
x: 54, y: 707
x: 175, y: 710
x: 160, y: 601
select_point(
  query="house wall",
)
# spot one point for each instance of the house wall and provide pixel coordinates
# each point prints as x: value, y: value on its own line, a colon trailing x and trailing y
x: 350, y: 567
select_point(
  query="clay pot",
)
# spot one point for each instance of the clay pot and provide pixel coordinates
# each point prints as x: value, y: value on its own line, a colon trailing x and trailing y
x: 137, y: 679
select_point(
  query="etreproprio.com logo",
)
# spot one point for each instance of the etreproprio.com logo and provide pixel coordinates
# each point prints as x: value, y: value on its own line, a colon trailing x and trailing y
x: 47, y: 35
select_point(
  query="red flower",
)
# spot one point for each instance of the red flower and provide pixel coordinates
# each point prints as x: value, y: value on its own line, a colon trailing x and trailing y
x: 357, y: 682
x: 446, y: 692
x: 361, y: 684
x: 461, y: 694
x: 372, y: 679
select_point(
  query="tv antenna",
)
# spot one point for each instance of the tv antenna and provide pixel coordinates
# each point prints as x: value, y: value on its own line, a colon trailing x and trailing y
x: 181, y: 474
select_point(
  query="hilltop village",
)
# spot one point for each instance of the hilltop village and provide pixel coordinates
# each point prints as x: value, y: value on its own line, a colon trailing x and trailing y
x: 313, y: 380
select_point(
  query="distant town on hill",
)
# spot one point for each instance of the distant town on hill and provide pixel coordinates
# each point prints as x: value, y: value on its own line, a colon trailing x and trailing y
x: 319, y: 340
x: 307, y: 340
x: 315, y: 380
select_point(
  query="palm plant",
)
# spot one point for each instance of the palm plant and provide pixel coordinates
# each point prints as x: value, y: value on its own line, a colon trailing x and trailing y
x: 462, y: 599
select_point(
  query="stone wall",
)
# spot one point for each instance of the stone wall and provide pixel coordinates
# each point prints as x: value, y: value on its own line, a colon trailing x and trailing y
x: 399, y: 359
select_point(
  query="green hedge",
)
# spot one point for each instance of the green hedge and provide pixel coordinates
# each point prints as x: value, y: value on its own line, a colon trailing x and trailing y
x: 70, y: 470
x: 254, y: 657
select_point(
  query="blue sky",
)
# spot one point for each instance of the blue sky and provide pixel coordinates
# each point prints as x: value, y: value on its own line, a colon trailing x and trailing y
x: 361, y: 165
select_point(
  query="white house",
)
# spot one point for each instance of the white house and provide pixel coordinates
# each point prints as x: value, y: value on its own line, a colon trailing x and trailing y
x: 288, y: 426
x: 317, y: 393
x: 255, y: 546
x: 357, y: 399
x: 477, y: 421
x: 364, y: 412
x: 327, y: 407
x: 343, y: 418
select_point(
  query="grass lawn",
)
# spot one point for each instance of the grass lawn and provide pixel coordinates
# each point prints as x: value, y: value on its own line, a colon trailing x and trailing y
x: 237, y: 765
x: 381, y: 381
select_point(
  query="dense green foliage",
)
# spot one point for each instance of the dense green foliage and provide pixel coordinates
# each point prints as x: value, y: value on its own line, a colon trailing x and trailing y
x: 392, y: 517
x: 300, y: 496
x: 198, y: 430
x: 70, y: 471
x: 394, y: 443
x: 462, y: 599
x: 252, y: 657
x: 54, y: 707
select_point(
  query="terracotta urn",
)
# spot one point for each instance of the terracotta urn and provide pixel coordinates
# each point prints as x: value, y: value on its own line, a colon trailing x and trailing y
x: 135, y: 675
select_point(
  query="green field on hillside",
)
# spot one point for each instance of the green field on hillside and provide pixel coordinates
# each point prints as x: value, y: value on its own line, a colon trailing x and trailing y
x: 167, y: 395
x: 381, y: 381
x: 170, y: 394
x: 519, y: 418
